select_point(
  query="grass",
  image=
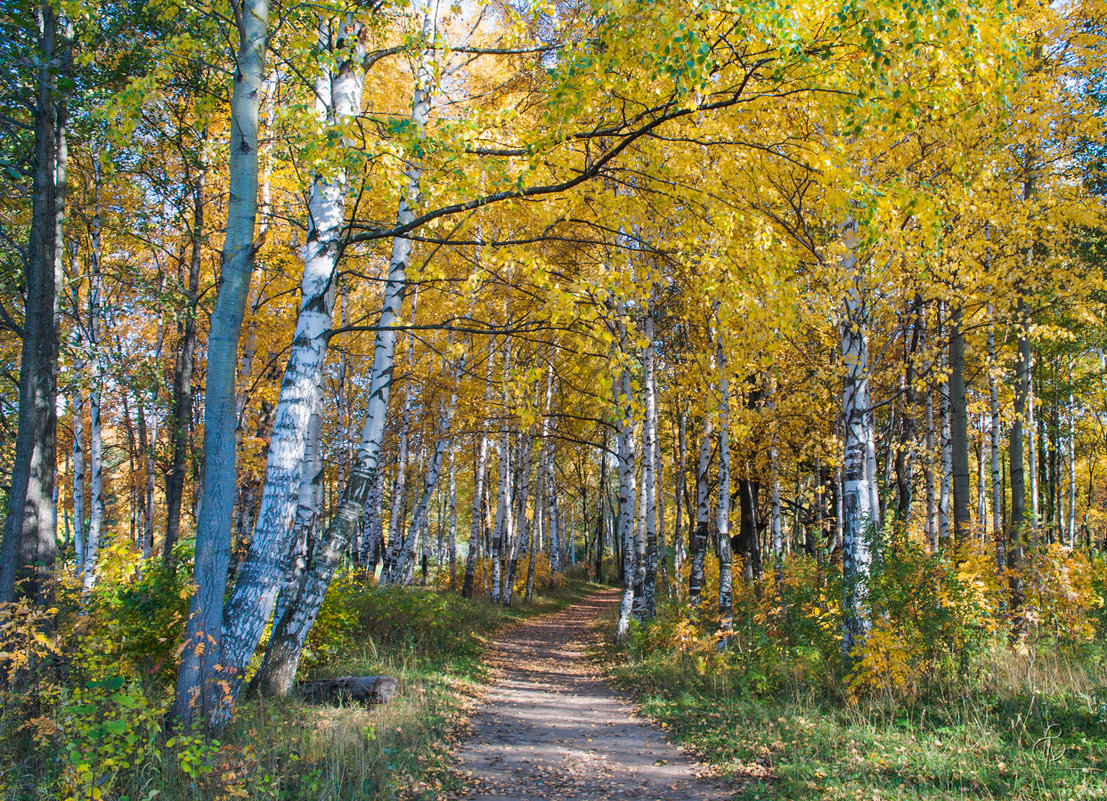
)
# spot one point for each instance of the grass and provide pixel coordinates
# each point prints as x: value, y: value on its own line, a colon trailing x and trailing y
x: 432, y: 641
x: 1019, y: 732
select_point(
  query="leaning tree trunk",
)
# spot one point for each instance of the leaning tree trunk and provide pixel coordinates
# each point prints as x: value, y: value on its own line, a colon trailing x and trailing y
x: 282, y: 656
x: 28, y: 549
x: 308, y: 509
x: 338, y: 98
x: 857, y: 480
x: 200, y: 689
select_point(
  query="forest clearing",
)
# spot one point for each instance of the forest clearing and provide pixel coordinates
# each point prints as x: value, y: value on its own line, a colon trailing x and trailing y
x: 735, y: 371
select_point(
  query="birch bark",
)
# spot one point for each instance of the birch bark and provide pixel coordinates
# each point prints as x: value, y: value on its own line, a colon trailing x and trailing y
x: 726, y: 611
x: 699, y: 534
x: 626, y: 500
x: 649, y: 469
x: 278, y: 526
x: 857, y: 480
x: 550, y: 475
x: 994, y: 442
x: 479, y: 474
x: 289, y: 634
x: 405, y: 557
x: 96, y: 388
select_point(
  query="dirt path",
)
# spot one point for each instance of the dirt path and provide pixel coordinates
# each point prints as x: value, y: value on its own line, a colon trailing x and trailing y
x: 550, y: 727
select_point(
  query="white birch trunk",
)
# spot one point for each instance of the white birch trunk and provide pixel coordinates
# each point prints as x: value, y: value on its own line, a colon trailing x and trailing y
x: 931, y: 501
x: 338, y: 97
x: 399, y: 487
x: 479, y: 476
x: 945, y: 474
x: 626, y: 500
x: 981, y: 483
x: 520, y: 540
x: 994, y: 446
x: 857, y: 478
x: 550, y: 477
x: 1071, y: 522
x: 679, y: 488
x: 419, y: 516
x: 640, y: 536
x: 776, y: 528
x: 289, y: 634
x: 703, y: 516
x: 77, y: 403
x: 503, y: 500
x: 307, y: 510
x: 452, y: 547
x: 1032, y: 446
x: 650, y: 464
x: 95, y: 430
x: 723, y: 520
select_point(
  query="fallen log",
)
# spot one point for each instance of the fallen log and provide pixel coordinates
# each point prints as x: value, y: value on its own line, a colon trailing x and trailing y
x: 362, y: 689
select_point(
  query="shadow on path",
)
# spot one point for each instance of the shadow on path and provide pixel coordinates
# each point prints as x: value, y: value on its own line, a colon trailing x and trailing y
x: 550, y: 727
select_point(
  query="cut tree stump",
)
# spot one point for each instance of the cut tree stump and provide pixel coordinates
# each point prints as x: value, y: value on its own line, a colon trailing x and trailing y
x: 363, y: 689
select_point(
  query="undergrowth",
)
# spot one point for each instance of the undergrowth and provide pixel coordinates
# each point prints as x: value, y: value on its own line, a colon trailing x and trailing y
x: 88, y: 719
x: 953, y: 697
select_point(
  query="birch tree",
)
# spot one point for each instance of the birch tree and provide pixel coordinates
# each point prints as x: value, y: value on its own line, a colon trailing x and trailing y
x: 857, y: 480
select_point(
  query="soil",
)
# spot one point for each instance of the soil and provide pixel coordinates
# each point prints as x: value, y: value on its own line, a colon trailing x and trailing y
x: 551, y: 727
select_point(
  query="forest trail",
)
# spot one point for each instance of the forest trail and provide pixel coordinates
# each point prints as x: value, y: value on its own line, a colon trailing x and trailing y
x: 550, y: 726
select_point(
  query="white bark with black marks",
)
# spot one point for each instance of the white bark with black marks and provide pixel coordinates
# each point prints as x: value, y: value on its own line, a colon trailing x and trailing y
x: 857, y: 479
x: 291, y: 492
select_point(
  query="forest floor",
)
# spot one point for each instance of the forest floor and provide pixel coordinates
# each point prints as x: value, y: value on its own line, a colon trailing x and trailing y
x: 551, y: 726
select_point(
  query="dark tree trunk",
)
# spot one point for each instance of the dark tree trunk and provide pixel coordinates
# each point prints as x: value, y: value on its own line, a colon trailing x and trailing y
x: 28, y: 549
x: 959, y: 428
x: 1015, y: 457
x: 183, y: 368
x: 747, y: 543
x: 905, y: 454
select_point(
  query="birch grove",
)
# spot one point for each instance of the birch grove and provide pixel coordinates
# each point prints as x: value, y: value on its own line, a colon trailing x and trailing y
x: 662, y: 293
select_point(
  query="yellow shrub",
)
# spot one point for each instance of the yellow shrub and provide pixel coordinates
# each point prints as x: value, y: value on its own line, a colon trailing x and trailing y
x: 886, y: 662
x: 1060, y: 597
